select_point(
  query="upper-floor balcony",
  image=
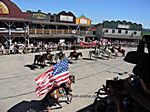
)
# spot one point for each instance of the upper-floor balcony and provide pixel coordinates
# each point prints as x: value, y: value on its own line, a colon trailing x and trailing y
x: 44, y: 32
x: 13, y: 30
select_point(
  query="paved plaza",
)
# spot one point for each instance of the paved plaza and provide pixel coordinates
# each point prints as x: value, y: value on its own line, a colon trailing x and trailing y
x: 18, y: 85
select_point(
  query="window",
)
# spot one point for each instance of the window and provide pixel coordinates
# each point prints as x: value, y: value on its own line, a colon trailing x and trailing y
x: 113, y: 31
x: 135, y: 33
x: 106, y: 31
x: 126, y: 32
x: 119, y: 31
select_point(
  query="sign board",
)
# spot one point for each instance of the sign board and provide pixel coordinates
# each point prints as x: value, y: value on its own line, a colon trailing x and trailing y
x: 83, y: 21
x: 123, y: 26
x: 3, y: 8
x: 39, y: 16
x: 66, y: 18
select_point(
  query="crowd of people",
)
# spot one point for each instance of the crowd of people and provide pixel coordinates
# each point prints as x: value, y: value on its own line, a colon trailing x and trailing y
x: 15, y: 48
x: 39, y: 46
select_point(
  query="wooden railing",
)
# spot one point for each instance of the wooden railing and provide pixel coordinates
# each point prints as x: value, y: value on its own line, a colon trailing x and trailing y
x: 46, y: 31
x: 39, y: 31
x: 58, y: 31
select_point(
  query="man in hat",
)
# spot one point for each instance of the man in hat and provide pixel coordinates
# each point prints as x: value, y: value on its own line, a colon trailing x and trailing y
x: 142, y: 68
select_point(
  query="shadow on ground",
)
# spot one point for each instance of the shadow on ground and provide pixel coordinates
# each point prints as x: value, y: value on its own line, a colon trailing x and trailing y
x: 51, y: 63
x: 95, y: 58
x: 28, y: 106
x: 38, y: 66
x: 120, y: 73
x: 33, y: 67
x: 89, y: 108
x: 34, y: 106
x: 88, y: 59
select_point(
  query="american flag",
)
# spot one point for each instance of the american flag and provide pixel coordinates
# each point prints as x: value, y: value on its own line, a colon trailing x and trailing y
x: 57, y: 74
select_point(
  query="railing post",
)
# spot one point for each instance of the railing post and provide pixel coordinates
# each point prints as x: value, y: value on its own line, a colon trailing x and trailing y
x: 62, y: 31
x: 68, y: 29
x: 50, y: 32
x: 56, y: 29
x: 79, y: 31
x: 35, y: 31
x: 43, y: 29
x: 9, y: 24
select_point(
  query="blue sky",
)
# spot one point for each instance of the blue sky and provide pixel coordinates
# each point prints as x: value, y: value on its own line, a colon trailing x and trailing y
x: 97, y: 10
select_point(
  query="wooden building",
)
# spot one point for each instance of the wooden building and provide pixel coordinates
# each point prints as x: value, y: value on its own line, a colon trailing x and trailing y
x: 18, y: 26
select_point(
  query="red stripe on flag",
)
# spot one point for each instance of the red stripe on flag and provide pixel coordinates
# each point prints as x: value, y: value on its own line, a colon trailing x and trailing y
x: 43, y: 76
x: 41, y: 91
x: 47, y: 86
x: 55, y: 78
x: 63, y: 81
x: 46, y: 80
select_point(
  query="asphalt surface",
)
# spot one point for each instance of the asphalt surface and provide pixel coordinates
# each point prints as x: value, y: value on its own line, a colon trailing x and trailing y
x: 18, y: 85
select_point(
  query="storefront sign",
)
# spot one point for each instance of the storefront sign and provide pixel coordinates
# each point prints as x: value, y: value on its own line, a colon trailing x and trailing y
x: 39, y: 16
x: 83, y: 21
x: 124, y: 26
x: 3, y: 8
x: 66, y: 18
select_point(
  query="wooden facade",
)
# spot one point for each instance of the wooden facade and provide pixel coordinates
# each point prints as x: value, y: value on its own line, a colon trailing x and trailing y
x: 28, y: 25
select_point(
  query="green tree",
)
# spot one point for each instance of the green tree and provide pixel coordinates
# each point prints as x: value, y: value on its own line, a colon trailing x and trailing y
x: 118, y: 22
x: 106, y: 24
x: 113, y: 24
x: 124, y: 22
x: 139, y: 27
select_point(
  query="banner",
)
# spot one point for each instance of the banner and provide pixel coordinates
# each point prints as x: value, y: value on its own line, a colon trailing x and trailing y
x: 87, y: 44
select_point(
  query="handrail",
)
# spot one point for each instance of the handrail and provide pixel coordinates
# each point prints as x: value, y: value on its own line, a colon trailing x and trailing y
x: 57, y: 31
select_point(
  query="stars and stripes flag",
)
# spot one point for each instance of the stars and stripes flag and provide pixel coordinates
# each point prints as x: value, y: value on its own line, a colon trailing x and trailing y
x: 57, y: 74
